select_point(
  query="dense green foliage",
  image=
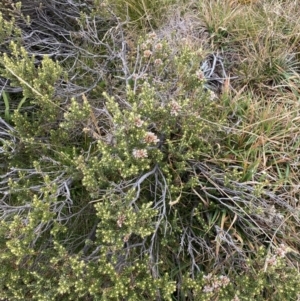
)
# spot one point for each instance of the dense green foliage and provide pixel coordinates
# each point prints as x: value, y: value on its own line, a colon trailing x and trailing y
x: 144, y: 156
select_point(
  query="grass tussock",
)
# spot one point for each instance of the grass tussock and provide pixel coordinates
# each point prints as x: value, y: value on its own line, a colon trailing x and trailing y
x: 150, y: 152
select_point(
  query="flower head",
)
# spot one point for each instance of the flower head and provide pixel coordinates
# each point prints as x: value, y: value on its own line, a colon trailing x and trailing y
x: 175, y: 108
x: 138, y: 122
x: 158, y: 62
x: 152, y: 35
x: 224, y: 280
x: 215, y: 283
x: 151, y: 138
x: 200, y: 75
x: 282, y: 250
x: 212, y: 95
x: 158, y: 46
x: 208, y: 289
x: 147, y: 53
x: 120, y: 220
x: 140, y: 153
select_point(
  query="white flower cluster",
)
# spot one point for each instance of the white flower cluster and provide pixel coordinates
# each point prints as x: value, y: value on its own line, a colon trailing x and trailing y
x: 138, y: 122
x: 120, y: 220
x: 158, y: 46
x: 140, y: 153
x: 281, y: 251
x: 150, y: 138
x: 158, y: 62
x: 215, y: 283
x: 147, y: 53
x: 200, y: 75
x: 150, y: 44
x: 175, y: 108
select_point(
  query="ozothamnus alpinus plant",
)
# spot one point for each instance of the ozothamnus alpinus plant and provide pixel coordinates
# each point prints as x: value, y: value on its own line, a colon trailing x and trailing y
x: 147, y: 186
x: 156, y: 161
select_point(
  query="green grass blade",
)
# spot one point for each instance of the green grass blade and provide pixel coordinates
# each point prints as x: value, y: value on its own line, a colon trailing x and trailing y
x: 6, y: 103
x: 21, y: 103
